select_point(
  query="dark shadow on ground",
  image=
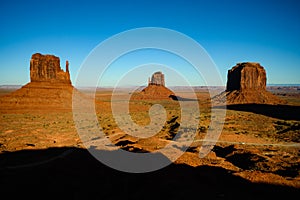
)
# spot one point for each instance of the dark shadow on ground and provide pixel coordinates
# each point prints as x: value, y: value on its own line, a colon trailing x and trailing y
x: 284, y: 112
x: 71, y: 173
x: 178, y: 98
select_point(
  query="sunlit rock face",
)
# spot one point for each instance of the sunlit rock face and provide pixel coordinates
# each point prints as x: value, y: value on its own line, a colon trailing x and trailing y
x: 47, y: 68
x: 50, y: 87
x: 246, y: 84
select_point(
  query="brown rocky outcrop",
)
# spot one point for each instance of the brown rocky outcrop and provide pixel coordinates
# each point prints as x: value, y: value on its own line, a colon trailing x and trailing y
x: 158, y: 78
x: 246, y: 83
x: 47, y: 68
x: 155, y: 90
x: 50, y: 87
x: 246, y: 76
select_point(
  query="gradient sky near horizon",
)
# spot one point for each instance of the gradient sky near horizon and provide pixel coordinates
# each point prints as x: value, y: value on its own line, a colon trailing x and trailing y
x: 231, y: 31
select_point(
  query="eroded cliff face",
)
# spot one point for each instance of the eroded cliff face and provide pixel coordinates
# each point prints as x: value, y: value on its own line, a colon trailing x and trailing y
x: 158, y: 78
x: 246, y: 76
x: 50, y: 88
x: 246, y: 84
x: 46, y: 68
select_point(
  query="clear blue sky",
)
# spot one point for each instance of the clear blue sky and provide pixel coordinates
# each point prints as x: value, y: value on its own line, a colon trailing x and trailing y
x: 261, y: 31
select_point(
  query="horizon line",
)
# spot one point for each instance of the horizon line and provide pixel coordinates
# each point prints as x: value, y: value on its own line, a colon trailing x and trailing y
x: 129, y: 86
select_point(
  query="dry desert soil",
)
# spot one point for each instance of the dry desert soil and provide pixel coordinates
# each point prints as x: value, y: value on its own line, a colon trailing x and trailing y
x: 257, y: 155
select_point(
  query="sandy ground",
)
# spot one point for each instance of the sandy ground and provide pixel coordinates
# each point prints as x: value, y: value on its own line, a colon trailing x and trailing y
x: 256, y: 156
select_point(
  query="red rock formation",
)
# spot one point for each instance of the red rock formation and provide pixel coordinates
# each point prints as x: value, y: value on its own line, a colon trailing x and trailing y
x: 246, y: 83
x: 155, y: 90
x: 246, y: 76
x: 50, y: 87
x: 47, y: 68
x: 158, y: 78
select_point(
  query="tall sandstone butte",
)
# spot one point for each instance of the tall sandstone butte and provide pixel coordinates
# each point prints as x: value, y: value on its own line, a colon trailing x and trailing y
x: 246, y: 76
x: 47, y: 68
x: 246, y: 84
x: 49, y: 88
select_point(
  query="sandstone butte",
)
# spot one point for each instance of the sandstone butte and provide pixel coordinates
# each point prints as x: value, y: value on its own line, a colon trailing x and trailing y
x: 46, y: 68
x: 156, y: 89
x: 49, y: 87
x: 246, y: 84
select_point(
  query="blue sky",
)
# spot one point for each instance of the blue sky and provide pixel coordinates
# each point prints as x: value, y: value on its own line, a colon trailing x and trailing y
x: 230, y: 31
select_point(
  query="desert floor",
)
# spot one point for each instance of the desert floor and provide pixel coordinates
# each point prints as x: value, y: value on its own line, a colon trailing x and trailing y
x: 256, y: 156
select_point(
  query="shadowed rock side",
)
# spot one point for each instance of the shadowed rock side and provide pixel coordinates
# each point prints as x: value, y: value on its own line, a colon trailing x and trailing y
x: 246, y: 76
x: 50, y: 86
x: 246, y: 83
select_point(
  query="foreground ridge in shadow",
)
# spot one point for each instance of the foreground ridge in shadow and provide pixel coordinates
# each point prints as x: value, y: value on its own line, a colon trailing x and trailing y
x: 284, y: 112
x: 73, y: 173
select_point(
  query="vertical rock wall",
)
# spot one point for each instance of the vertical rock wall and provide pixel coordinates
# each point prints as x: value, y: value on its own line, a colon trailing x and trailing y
x: 47, y: 68
x: 246, y: 76
x: 158, y: 78
x: 246, y: 84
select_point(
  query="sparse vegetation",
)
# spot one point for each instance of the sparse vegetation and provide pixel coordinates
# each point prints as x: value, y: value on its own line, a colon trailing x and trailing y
x: 250, y: 142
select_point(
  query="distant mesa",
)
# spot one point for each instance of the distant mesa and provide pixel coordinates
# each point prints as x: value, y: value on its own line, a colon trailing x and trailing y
x: 158, y: 78
x: 156, y: 88
x: 50, y: 87
x: 246, y: 83
x: 246, y: 77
